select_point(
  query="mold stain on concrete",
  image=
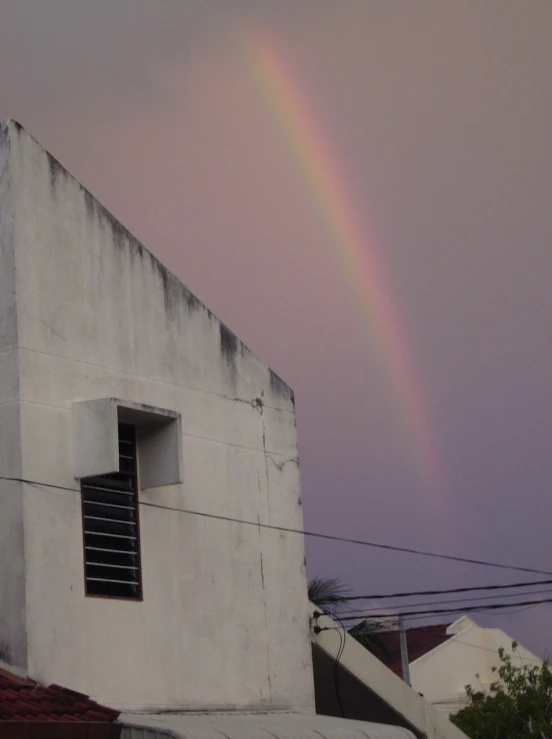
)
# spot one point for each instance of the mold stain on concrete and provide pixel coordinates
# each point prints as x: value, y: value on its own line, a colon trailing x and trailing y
x: 53, y: 172
x: 262, y: 572
x: 279, y: 387
x: 228, y: 344
x: 56, y: 171
x: 268, y: 670
x: 176, y: 292
x: 168, y: 296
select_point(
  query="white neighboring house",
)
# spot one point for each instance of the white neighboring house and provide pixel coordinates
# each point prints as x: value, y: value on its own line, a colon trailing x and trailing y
x: 349, y: 680
x: 465, y: 658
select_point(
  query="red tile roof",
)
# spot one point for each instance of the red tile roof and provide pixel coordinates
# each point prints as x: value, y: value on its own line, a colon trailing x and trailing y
x: 25, y: 700
x: 419, y: 641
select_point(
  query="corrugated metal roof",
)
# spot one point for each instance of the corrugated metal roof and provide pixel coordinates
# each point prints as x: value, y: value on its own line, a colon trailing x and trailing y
x: 253, y: 726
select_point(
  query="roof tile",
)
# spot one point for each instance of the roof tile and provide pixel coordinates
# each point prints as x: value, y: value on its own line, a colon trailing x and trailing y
x: 26, y: 700
x: 419, y: 641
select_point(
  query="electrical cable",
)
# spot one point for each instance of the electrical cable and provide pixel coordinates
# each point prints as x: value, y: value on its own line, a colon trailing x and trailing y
x: 391, y: 624
x: 435, y: 612
x: 492, y: 651
x: 505, y: 612
x: 484, y: 609
x: 352, y: 612
x: 336, y: 667
x: 508, y: 612
x: 313, y: 534
x: 379, y: 596
x: 336, y: 678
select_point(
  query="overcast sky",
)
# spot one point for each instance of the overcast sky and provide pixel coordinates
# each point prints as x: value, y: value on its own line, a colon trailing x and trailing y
x: 438, y: 117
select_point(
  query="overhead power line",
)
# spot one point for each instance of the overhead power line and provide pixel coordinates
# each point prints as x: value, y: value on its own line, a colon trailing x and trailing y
x: 379, y: 596
x: 373, y: 609
x: 535, y: 660
x: 484, y: 609
x: 436, y: 612
x: 382, y: 624
x: 312, y: 534
x: 389, y: 622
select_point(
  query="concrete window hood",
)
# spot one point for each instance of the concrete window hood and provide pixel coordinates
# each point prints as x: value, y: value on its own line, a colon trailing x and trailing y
x: 96, y: 445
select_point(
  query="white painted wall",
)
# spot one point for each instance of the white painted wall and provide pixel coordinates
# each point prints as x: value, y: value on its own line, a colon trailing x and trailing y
x: 12, y: 582
x: 224, y: 620
x: 369, y: 671
x: 467, y: 658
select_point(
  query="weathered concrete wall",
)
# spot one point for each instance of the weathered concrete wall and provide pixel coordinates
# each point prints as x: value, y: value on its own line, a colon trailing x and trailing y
x: 223, y: 622
x: 467, y: 658
x: 370, y: 682
x: 8, y: 312
x: 12, y: 576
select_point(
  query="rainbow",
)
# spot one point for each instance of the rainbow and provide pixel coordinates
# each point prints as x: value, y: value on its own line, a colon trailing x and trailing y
x: 329, y: 189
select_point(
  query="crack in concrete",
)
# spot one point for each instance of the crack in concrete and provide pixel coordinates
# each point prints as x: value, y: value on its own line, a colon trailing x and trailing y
x: 281, y: 465
x: 35, y: 318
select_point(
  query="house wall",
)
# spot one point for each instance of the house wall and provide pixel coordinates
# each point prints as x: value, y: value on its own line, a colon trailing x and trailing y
x: 364, y: 681
x: 342, y: 694
x: 12, y: 581
x: 466, y: 659
x: 224, y: 621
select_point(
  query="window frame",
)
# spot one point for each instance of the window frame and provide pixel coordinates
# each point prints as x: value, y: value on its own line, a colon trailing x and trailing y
x: 133, y: 473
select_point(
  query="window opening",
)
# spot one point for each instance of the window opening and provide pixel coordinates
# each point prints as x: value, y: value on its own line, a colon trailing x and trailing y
x: 111, y: 526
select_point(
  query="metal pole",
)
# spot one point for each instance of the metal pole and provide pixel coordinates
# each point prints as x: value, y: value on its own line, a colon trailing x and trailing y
x: 404, y: 651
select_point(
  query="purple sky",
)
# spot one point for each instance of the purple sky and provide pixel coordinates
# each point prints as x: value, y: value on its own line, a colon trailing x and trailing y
x: 441, y: 117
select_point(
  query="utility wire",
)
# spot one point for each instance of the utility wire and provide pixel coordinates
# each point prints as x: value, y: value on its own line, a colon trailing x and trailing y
x: 490, y: 607
x: 524, y: 584
x: 336, y: 668
x: 313, y: 534
x: 484, y: 609
x: 387, y: 623
x: 493, y: 651
x: 444, y: 602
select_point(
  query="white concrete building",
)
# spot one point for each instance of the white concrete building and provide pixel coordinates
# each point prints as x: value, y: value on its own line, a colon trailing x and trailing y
x: 145, y: 453
x: 106, y: 359
x: 363, y: 687
x: 467, y: 657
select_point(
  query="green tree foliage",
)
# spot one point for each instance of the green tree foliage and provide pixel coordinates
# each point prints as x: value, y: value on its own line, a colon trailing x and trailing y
x: 519, y: 704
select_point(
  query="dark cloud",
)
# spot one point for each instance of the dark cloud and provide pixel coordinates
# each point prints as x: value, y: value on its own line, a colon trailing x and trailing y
x: 66, y: 51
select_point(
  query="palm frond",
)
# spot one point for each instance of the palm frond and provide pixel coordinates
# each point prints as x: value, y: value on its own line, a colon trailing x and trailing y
x: 329, y: 594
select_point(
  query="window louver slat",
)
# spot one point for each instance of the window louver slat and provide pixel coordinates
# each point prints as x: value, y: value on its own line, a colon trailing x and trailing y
x: 111, y: 531
x: 104, y: 565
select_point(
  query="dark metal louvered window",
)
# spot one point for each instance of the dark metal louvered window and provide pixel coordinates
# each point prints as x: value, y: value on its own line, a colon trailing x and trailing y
x: 111, y: 530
